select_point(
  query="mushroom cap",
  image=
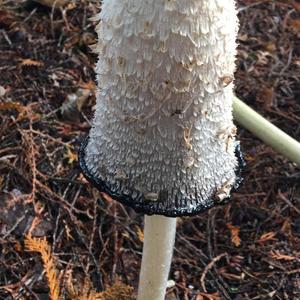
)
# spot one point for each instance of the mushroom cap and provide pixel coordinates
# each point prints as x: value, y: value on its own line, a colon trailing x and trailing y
x: 163, y: 140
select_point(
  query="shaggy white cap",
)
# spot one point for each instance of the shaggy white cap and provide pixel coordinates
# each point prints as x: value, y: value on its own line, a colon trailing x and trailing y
x: 162, y: 133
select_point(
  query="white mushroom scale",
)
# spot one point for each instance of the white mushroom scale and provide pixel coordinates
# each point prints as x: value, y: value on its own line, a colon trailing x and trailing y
x: 163, y: 140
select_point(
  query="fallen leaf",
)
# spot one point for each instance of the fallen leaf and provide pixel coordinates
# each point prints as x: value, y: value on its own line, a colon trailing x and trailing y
x: 18, y: 247
x: 249, y: 157
x: 271, y: 47
x: 234, y: 230
x: 263, y: 57
x: 72, y: 107
x: 140, y: 233
x: 89, y: 38
x: 266, y: 95
x: 71, y: 156
x: 71, y: 6
x: 6, y: 17
x: 294, y: 25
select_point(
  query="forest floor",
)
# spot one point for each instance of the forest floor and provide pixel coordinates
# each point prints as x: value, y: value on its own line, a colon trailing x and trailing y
x: 53, y: 222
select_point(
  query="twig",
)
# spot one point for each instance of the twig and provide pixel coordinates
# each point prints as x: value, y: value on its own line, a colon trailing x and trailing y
x: 15, y: 226
x: 208, y: 267
x: 288, y: 202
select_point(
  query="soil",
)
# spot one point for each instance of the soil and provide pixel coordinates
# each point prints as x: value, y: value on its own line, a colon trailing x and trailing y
x: 247, y: 249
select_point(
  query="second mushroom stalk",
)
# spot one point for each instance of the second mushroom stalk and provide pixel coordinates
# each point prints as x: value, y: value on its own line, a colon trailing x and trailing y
x: 163, y: 140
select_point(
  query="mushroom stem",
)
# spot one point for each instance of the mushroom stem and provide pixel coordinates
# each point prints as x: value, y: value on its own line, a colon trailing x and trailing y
x: 159, y: 238
x: 266, y: 131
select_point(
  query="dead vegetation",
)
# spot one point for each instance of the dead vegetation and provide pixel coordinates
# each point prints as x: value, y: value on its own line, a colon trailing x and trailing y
x: 82, y: 244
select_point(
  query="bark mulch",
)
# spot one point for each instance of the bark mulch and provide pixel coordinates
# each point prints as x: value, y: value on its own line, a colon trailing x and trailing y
x: 248, y: 249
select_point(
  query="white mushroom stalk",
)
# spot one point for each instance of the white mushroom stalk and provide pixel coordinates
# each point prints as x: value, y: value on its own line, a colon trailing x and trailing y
x: 266, y: 131
x: 159, y: 238
x: 163, y: 140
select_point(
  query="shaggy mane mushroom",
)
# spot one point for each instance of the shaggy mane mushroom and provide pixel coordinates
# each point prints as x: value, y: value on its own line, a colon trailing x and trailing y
x: 163, y: 140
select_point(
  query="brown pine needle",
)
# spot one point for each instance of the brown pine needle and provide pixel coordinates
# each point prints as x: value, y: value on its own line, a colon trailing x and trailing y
x: 41, y: 245
x: 117, y: 291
